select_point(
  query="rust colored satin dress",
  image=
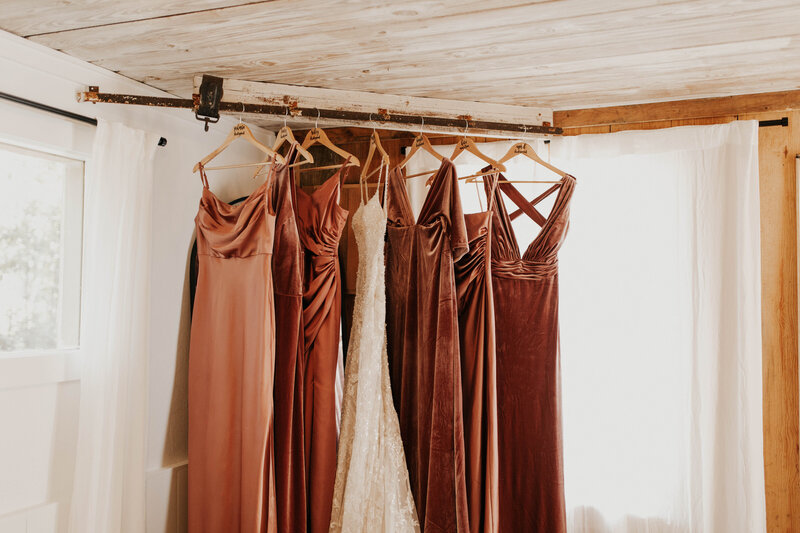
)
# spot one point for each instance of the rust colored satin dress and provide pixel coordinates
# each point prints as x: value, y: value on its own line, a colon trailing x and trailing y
x: 531, y: 473
x: 478, y: 370
x: 287, y: 273
x: 320, y: 222
x: 423, y: 345
x: 231, y: 366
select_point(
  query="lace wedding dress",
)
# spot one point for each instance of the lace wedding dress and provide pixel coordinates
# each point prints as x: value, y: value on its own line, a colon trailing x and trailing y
x: 372, y: 491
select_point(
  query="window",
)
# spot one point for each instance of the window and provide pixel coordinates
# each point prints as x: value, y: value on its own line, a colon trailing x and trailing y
x: 41, y: 214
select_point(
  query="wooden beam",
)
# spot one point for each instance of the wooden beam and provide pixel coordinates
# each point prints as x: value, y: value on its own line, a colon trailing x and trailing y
x: 679, y: 109
x: 390, y: 111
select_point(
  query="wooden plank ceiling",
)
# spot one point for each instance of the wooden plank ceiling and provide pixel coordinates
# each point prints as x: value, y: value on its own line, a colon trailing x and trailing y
x: 563, y: 54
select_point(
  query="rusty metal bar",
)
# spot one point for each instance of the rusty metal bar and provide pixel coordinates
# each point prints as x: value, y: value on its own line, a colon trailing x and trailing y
x: 311, y: 114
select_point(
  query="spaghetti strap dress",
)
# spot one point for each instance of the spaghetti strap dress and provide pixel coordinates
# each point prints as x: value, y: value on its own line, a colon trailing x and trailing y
x: 287, y: 272
x: 423, y: 345
x: 321, y: 221
x: 478, y: 370
x: 231, y: 365
x: 531, y: 473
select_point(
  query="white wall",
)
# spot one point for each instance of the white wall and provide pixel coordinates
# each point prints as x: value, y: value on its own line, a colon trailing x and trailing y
x: 39, y: 393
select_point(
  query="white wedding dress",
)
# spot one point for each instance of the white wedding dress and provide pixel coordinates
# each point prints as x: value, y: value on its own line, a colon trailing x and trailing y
x: 372, y: 493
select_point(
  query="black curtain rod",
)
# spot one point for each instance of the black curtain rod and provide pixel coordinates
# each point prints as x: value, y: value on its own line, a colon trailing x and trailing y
x: 56, y: 111
x: 777, y: 122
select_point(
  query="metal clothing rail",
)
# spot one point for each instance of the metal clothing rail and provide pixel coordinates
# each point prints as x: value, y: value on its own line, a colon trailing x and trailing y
x: 207, y: 105
x: 57, y: 111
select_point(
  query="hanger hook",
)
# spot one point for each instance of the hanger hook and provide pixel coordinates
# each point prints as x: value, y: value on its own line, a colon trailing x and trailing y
x: 466, y: 127
x: 241, y: 113
x: 372, y: 122
x: 316, y: 122
x: 422, y: 124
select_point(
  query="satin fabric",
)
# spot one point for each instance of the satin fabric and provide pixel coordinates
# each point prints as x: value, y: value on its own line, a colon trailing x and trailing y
x: 231, y: 365
x: 531, y: 472
x: 423, y: 344
x: 287, y: 270
x: 476, y: 319
x: 321, y: 222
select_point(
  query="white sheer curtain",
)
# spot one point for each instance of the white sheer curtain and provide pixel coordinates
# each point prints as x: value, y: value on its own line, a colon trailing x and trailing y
x: 660, y: 312
x: 109, y: 487
x: 661, y: 331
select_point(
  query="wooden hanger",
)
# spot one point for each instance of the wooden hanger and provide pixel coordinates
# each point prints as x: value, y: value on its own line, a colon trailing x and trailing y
x: 240, y: 130
x: 520, y: 148
x: 285, y: 135
x: 420, y: 141
x: 466, y: 144
x: 374, y: 144
x: 316, y: 135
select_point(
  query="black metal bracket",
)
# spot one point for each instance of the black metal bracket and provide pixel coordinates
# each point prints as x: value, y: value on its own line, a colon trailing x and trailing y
x: 777, y: 122
x: 210, y: 97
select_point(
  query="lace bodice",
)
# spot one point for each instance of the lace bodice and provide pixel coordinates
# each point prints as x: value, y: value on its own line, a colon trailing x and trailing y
x: 372, y: 491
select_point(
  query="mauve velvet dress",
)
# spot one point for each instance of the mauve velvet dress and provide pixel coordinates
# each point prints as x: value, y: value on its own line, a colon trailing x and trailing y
x: 321, y: 221
x: 531, y: 473
x: 479, y: 372
x: 231, y: 366
x: 423, y: 345
x: 287, y: 272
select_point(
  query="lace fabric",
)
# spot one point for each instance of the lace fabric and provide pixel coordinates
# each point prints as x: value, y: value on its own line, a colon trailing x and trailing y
x: 372, y: 491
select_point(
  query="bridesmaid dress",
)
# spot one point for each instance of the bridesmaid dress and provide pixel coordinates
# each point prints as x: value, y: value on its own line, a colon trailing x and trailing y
x: 478, y: 370
x: 287, y: 271
x: 321, y: 222
x: 231, y: 366
x: 372, y: 493
x: 423, y: 344
x: 531, y: 473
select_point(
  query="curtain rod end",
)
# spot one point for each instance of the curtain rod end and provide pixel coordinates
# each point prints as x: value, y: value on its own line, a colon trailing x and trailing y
x: 162, y: 141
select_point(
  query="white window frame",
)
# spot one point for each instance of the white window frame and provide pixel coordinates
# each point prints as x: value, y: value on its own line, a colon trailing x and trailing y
x: 32, y: 129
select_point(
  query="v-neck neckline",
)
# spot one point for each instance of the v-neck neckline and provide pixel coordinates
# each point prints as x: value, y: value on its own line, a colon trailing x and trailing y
x: 548, y: 220
x: 406, y: 201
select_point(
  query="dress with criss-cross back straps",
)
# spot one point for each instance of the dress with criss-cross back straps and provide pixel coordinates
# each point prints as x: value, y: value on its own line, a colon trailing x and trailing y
x: 320, y: 222
x: 476, y: 328
x: 372, y: 492
x: 423, y: 345
x: 231, y: 364
x: 531, y: 473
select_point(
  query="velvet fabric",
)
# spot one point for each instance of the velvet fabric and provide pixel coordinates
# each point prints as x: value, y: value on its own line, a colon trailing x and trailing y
x: 321, y: 222
x: 478, y: 370
x: 531, y: 472
x: 287, y: 272
x: 231, y: 366
x: 423, y: 345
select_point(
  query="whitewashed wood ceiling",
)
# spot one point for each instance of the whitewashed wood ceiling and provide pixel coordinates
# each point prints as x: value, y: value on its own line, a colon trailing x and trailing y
x: 563, y: 54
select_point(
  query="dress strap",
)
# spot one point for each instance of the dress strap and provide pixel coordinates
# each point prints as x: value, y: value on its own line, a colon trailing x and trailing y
x: 203, y: 177
x: 343, y: 171
x: 536, y: 200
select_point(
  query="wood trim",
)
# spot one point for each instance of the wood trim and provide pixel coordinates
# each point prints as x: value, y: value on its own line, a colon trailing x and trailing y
x: 678, y: 110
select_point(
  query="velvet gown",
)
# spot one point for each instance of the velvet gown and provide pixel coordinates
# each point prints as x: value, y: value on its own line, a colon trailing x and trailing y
x: 531, y: 473
x: 287, y: 271
x: 231, y: 366
x: 423, y: 345
x: 476, y: 321
x: 320, y: 222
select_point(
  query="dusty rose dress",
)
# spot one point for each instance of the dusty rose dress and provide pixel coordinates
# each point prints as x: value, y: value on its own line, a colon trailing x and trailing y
x: 423, y: 345
x: 476, y: 318
x: 287, y: 272
x: 231, y: 366
x: 321, y: 222
x: 531, y: 474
